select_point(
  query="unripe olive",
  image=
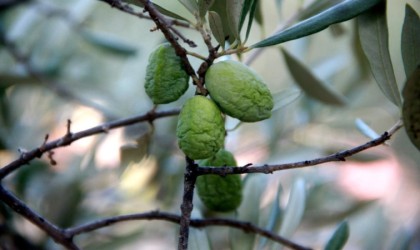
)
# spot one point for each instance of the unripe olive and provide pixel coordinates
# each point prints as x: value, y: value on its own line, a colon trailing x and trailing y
x: 221, y: 194
x: 166, y: 80
x: 200, y: 129
x: 239, y: 91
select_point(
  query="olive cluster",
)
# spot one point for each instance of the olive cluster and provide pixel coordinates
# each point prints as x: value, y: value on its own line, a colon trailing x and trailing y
x: 234, y: 90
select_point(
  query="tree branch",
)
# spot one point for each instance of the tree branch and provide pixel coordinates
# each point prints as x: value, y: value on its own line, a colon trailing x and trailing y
x: 190, y: 176
x: 198, y: 223
x: 69, y: 137
x: 20, y: 207
x: 268, y: 169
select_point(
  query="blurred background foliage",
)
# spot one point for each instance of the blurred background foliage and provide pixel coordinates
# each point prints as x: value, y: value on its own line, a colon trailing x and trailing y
x: 84, y: 61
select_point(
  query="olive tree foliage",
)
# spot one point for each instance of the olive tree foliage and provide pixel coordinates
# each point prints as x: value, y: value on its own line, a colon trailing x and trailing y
x: 88, y: 162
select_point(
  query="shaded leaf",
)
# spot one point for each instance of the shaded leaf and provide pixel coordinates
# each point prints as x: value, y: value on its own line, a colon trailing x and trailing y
x: 309, y: 83
x: 339, y: 238
x: 216, y: 27
x: 410, y: 40
x: 253, y: 8
x: 109, y: 44
x: 295, y: 208
x: 373, y: 34
x: 234, y: 9
x: 411, y: 107
x: 339, y: 13
x: 258, y: 16
x: 219, y: 7
x: 245, y: 10
x: 204, y: 6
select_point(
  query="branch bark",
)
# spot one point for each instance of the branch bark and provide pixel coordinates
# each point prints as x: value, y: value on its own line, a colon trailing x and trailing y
x: 67, y: 139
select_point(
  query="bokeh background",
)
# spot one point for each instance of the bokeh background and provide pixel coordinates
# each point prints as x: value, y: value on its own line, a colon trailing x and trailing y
x: 89, y: 61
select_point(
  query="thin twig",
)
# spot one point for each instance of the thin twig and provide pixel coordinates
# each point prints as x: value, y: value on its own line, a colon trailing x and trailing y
x: 69, y: 137
x: 268, y: 169
x: 198, y: 223
x: 21, y: 208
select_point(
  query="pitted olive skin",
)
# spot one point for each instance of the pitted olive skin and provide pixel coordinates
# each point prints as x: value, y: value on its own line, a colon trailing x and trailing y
x: 166, y: 80
x: 200, y: 129
x: 239, y: 91
x: 220, y: 194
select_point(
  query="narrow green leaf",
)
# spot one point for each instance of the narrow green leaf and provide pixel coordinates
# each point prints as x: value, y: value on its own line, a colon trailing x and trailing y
x: 245, y: 9
x: 258, y: 14
x: 216, y: 27
x: 339, y: 238
x: 373, y: 35
x: 295, y: 208
x: 234, y: 9
x: 109, y: 44
x: 204, y: 6
x: 190, y: 5
x: 310, y: 84
x: 316, y: 7
x: 253, y: 8
x: 410, y: 40
x: 339, y: 13
x: 254, y: 186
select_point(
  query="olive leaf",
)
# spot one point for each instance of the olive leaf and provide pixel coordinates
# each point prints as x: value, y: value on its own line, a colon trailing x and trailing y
x: 410, y: 40
x: 220, y: 7
x: 204, y: 6
x: 373, y: 35
x: 310, y: 84
x: 216, y: 27
x: 336, y: 14
x: 254, y: 186
x: 159, y: 8
x: 108, y: 43
x: 295, y: 208
x: 190, y: 5
x: 234, y: 9
x: 339, y: 238
x: 411, y: 107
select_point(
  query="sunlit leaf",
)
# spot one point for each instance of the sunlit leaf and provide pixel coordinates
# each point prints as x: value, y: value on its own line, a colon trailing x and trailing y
x: 295, y: 208
x: 310, y: 84
x: 254, y: 186
x: 339, y: 238
x: 109, y: 44
x: 339, y: 13
x: 410, y: 40
x: 216, y: 27
x: 366, y: 129
x: 198, y: 238
x: 191, y: 5
x: 373, y: 33
x: 273, y: 219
